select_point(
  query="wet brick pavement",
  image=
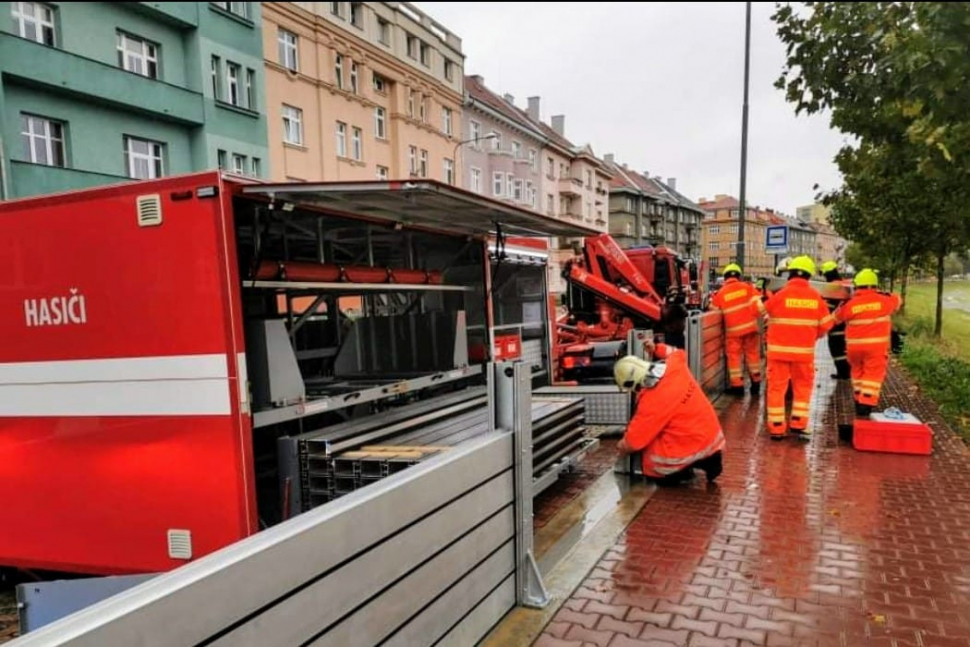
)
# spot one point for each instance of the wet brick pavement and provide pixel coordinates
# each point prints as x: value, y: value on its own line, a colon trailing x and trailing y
x: 570, y: 485
x: 801, y: 543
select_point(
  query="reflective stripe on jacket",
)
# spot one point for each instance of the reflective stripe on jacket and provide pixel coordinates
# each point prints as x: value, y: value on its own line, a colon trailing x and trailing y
x: 868, y: 319
x: 735, y: 300
x: 797, y: 316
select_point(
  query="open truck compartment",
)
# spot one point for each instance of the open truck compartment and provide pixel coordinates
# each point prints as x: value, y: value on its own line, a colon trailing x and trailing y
x: 179, y: 351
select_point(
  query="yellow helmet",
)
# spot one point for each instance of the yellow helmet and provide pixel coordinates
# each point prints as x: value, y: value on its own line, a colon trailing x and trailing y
x: 829, y: 266
x: 731, y: 267
x: 866, y: 278
x: 632, y: 371
x: 802, y: 264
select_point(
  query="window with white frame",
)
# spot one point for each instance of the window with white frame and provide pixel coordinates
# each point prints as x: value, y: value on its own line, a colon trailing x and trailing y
x: 383, y: 31
x: 446, y: 120
x: 336, y: 9
x: 338, y: 70
x: 476, y: 180
x: 411, y: 103
x: 474, y: 132
x: 34, y: 21
x: 383, y: 173
x: 509, y: 182
x: 353, y: 77
x: 715, y: 229
x: 413, y: 160
x: 380, y: 83
x: 357, y: 14
x: 423, y: 164
x: 534, y: 159
x: 449, y: 70
x: 137, y: 55
x: 341, y: 139
x: 517, y: 187
x: 216, y: 94
x: 550, y: 204
x: 589, y: 179
x: 413, y: 46
x: 43, y: 140
x: 423, y: 109
x: 630, y: 205
x: 257, y: 167
x: 550, y: 168
x: 240, y: 9
x: 733, y: 229
x: 530, y: 194
x: 239, y: 164
x: 232, y: 83
x: 516, y: 149
x: 358, y: 144
x: 251, y: 89
x: 380, y: 123
x: 449, y: 169
x: 713, y: 246
x: 143, y: 158
x: 286, y: 42
x: 425, y: 54
x: 221, y: 159
x: 498, y: 184
x: 496, y: 141
x: 292, y: 125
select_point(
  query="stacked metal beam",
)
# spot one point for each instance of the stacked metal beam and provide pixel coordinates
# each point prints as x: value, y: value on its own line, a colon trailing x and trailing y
x: 343, y: 458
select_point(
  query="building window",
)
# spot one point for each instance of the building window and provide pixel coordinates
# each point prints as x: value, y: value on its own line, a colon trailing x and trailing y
x: 550, y: 168
x: 449, y: 70
x: 425, y: 55
x: 550, y: 204
x: 446, y: 120
x: 257, y: 167
x: 380, y: 83
x: 414, y: 45
x: 382, y: 173
x: 251, y: 89
x: 292, y: 125
x: 423, y: 168
x: 221, y: 159
x: 43, y: 140
x: 734, y: 213
x: 380, y: 123
x: 353, y: 77
x: 412, y: 160
x: 358, y: 142
x: 517, y: 194
x: 474, y: 132
x: 516, y: 149
x: 338, y: 70
x: 449, y: 168
x: 35, y: 21
x: 498, y: 184
x: 286, y: 42
x: 476, y: 180
x: 534, y: 159
x: 143, y: 158
x: 423, y: 109
x: 411, y: 103
x: 630, y: 205
x: 589, y: 179
x: 357, y: 14
x: 530, y: 194
x: 713, y: 246
x: 215, y: 78
x: 733, y: 229
x: 336, y: 9
x: 232, y: 83
x: 341, y: 139
x: 715, y: 230
x: 383, y: 31
x: 137, y: 55
x: 239, y: 164
x: 240, y: 9
x: 496, y: 141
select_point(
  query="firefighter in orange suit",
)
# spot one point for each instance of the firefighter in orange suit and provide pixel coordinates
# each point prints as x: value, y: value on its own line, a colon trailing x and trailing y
x: 674, y: 424
x: 797, y: 317
x: 735, y: 300
x: 868, y: 328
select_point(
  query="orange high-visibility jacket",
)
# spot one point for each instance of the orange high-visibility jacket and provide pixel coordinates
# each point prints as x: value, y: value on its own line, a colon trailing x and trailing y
x: 734, y: 300
x: 797, y: 317
x: 674, y: 423
x: 868, y: 319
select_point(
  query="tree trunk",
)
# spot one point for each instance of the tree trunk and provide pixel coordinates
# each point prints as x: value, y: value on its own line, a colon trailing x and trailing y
x: 904, y: 281
x: 938, y: 326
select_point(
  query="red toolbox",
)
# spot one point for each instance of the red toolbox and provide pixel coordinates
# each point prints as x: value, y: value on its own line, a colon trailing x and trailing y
x: 893, y: 433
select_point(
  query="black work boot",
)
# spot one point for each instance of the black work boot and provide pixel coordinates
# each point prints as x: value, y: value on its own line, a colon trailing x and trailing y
x: 712, y: 465
x: 862, y: 410
x: 735, y: 390
x: 755, y: 388
x: 845, y: 433
x: 676, y: 478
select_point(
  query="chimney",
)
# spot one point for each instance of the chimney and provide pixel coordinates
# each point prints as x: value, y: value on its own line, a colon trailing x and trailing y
x: 533, y: 109
x: 559, y: 124
x: 509, y: 98
x: 646, y: 174
x: 608, y: 158
x: 672, y: 183
x: 478, y: 78
x: 624, y: 166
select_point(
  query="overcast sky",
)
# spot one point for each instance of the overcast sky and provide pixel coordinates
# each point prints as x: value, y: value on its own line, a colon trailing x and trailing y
x: 659, y: 85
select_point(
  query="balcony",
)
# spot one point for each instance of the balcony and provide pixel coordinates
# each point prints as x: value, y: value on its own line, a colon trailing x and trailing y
x: 570, y: 186
x: 58, y: 71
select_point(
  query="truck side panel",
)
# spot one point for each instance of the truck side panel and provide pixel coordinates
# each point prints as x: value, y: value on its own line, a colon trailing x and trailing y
x: 120, y: 406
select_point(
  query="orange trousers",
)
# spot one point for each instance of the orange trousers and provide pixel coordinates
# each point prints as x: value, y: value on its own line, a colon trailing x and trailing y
x: 743, y: 348
x: 802, y: 378
x: 868, y: 374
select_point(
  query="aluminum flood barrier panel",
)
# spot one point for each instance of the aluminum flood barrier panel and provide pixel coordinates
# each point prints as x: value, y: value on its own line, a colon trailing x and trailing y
x: 705, y: 351
x: 426, y: 556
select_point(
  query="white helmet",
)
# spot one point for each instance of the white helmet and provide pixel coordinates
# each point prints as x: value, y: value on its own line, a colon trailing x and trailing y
x: 631, y: 372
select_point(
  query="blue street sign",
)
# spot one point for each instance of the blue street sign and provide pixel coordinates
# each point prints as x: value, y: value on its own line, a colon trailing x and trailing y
x: 776, y: 239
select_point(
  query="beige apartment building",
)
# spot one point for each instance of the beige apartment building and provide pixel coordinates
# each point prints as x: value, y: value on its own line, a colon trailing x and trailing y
x: 361, y: 91
x: 719, y: 235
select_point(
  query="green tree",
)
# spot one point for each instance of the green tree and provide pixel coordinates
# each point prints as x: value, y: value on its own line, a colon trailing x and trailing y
x: 895, y: 77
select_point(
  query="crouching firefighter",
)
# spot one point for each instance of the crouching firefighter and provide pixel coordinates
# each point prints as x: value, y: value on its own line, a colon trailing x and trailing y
x: 674, y: 424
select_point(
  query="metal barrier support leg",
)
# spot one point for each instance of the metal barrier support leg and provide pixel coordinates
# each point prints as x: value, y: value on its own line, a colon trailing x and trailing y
x: 513, y: 412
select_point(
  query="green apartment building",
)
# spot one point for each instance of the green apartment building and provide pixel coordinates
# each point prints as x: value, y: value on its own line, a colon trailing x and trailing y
x: 98, y: 92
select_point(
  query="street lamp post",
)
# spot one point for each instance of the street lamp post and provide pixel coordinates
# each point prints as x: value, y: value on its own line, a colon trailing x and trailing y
x: 744, y: 133
x: 454, y: 154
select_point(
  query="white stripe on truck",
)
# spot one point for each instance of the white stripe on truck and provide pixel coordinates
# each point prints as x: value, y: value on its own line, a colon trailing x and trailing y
x: 177, y: 385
